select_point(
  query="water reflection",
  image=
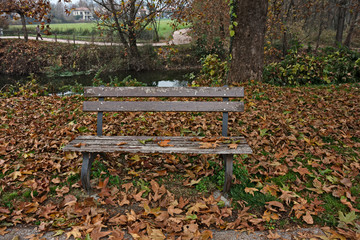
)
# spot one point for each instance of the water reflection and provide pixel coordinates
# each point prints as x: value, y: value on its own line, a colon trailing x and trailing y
x: 174, y: 78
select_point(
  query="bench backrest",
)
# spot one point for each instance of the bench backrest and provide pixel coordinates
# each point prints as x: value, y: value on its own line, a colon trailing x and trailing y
x: 164, y: 106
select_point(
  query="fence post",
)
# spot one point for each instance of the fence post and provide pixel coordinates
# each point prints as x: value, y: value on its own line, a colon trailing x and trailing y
x: 92, y: 38
x: 74, y: 38
x: 18, y: 33
x: 55, y: 37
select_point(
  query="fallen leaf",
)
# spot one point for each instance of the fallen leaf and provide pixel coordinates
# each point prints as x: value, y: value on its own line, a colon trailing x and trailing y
x: 251, y: 190
x: 207, y: 234
x: 165, y: 143
x: 117, y: 234
x: 193, y: 182
x: 78, y: 145
x: 157, y: 234
x: 96, y: 234
x: 273, y: 235
x: 121, y: 143
x: 75, y: 232
x: 2, y: 231
x: 308, y: 218
x: 233, y: 146
x: 268, y: 215
x: 207, y: 145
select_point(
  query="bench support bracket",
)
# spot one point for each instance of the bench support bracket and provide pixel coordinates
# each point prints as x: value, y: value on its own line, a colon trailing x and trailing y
x: 228, y: 165
x: 88, y: 159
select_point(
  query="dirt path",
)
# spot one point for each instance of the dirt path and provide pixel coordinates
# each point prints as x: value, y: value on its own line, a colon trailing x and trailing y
x: 21, y: 232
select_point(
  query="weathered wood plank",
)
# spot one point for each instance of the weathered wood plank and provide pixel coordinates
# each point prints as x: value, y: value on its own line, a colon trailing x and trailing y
x: 119, y: 106
x: 163, y: 92
x: 132, y: 144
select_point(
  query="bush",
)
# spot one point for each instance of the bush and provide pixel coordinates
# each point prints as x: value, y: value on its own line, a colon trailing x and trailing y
x: 327, y: 66
x: 213, y: 72
x: 204, y: 48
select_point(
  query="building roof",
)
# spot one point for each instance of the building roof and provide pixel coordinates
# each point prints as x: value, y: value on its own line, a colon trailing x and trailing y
x: 81, y: 9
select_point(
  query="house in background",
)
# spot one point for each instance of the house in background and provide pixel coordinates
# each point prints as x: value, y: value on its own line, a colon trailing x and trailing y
x: 82, y: 13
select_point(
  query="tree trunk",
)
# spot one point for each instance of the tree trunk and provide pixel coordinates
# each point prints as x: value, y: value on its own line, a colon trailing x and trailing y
x: 23, y: 22
x: 341, y: 22
x: 248, y: 43
x: 133, y: 52
x: 321, y: 25
x: 351, y: 29
x: 134, y: 59
x: 156, y: 26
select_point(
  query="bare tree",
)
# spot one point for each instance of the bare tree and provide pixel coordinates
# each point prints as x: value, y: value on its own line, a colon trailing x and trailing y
x: 129, y: 18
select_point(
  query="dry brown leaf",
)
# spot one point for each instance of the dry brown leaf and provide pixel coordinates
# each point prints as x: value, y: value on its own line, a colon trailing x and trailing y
x: 207, y: 234
x: 233, y: 146
x: 97, y: 234
x: 251, y: 190
x: 121, y: 143
x: 78, y: 145
x: 308, y: 218
x: 207, y: 145
x: 273, y: 235
x: 2, y: 231
x: 117, y: 234
x: 157, y: 234
x: 268, y: 215
x: 172, y: 210
x: 127, y: 186
x: 75, y: 232
x: 275, y: 204
x: 165, y: 143
x: 119, y: 220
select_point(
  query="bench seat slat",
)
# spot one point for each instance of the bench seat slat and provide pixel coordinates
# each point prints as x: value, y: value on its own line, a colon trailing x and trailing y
x: 164, y: 92
x: 162, y: 106
x: 133, y: 145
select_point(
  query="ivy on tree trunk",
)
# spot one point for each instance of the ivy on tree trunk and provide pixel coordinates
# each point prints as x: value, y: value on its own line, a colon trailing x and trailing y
x: 247, y: 55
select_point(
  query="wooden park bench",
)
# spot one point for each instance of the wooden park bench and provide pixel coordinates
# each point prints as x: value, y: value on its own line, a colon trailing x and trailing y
x: 90, y: 146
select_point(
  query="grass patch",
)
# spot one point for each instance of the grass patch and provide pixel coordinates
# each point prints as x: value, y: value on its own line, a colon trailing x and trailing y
x: 100, y: 170
x: 85, y: 31
x: 332, y: 206
x: 6, y: 198
x: 289, y: 178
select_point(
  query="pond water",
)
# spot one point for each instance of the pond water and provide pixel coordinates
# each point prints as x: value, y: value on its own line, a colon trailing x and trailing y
x: 171, y: 78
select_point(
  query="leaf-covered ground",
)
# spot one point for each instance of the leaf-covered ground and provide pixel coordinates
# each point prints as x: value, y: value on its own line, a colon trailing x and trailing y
x: 304, y: 170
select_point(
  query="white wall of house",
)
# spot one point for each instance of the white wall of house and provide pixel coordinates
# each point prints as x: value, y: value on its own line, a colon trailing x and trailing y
x: 84, y: 13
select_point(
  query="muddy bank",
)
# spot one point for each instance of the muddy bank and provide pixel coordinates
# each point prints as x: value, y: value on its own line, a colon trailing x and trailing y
x: 18, y: 57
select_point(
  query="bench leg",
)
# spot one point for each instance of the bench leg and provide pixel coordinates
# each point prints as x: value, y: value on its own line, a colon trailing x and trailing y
x: 228, y: 165
x: 88, y: 159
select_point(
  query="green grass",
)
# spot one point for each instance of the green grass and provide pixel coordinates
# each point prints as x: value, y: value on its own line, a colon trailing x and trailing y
x: 288, y: 178
x: 332, y: 206
x: 84, y: 31
x: 61, y: 27
x: 6, y: 198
